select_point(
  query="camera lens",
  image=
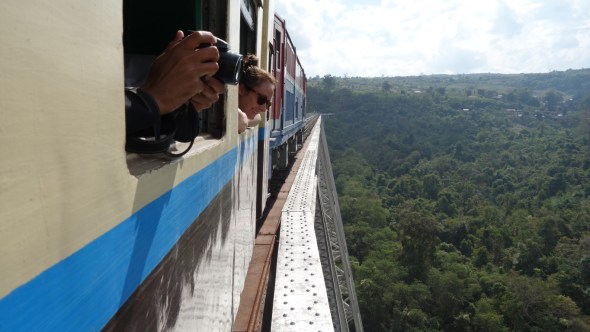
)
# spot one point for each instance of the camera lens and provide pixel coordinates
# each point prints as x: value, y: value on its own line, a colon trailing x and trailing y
x: 230, y: 64
x: 230, y: 68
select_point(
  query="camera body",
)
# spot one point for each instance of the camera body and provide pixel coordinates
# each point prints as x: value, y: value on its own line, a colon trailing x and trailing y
x: 230, y: 64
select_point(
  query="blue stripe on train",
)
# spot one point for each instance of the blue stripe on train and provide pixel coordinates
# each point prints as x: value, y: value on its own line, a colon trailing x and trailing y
x: 83, y: 291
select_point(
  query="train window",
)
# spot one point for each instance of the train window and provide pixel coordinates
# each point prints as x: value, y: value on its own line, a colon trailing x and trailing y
x: 287, y: 56
x: 271, y: 66
x: 271, y: 58
x: 148, y: 27
x: 215, y: 20
x: 248, y: 21
x: 278, y: 40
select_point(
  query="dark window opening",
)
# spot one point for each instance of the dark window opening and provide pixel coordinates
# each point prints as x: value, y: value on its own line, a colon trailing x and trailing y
x: 271, y: 66
x: 278, y: 43
x: 248, y: 23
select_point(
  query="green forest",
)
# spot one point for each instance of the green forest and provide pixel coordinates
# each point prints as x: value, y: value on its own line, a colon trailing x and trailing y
x: 465, y: 198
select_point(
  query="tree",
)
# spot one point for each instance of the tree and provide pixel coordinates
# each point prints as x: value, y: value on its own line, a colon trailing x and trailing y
x: 552, y: 99
x: 446, y: 202
x: 486, y: 318
x: 329, y: 82
x: 386, y: 87
x: 419, y: 237
x: 550, y: 233
x: 535, y: 305
x: 529, y: 255
x: 480, y: 256
x: 431, y: 185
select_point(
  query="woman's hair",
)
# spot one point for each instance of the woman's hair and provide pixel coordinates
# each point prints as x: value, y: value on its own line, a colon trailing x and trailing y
x: 252, y: 75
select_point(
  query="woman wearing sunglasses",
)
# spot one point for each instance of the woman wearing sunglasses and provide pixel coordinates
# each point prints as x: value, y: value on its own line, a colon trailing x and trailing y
x: 256, y: 89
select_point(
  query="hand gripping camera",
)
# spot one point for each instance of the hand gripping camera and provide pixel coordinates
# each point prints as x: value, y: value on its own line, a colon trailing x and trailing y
x: 230, y: 64
x: 182, y: 124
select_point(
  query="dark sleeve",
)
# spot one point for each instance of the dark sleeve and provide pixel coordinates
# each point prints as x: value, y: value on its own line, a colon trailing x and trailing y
x: 141, y: 111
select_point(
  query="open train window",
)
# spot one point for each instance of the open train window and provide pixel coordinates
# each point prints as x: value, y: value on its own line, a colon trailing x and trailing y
x: 248, y: 19
x: 148, y: 27
x: 278, y: 41
x: 271, y: 67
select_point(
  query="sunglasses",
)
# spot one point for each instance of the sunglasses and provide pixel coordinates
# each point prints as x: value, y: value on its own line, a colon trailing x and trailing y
x: 262, y: 99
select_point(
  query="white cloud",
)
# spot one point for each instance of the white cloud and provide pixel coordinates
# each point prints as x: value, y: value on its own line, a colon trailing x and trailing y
x: 393, y: 38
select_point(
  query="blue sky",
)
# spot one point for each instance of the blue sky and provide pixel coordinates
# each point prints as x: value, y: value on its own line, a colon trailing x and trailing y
x: 413, y: 37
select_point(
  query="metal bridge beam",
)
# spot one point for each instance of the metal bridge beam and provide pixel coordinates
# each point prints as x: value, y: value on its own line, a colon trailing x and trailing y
x: 348, y: 310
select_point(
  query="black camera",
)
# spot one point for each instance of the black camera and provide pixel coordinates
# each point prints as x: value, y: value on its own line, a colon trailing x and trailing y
x: 230, y: 64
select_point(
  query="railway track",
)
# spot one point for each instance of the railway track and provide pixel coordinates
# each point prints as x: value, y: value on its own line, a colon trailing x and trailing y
x: 279, y: 175
x: 309, y: 123
x: 255, y: 307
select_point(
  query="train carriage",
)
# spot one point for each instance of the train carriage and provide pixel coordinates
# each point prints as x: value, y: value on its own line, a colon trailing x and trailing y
x: 92, y: 237
x: 288, y: 109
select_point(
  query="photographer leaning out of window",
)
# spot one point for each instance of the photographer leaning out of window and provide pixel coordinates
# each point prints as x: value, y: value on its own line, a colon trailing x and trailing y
x: 182, y: 73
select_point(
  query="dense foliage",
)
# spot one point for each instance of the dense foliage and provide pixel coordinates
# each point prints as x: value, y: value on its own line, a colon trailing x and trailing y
x: 466, y: 207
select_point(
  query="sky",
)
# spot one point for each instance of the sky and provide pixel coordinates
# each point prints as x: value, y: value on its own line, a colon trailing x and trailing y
x: 374, y: 38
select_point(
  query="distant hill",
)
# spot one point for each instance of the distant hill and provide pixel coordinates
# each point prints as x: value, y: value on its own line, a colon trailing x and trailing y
x: 572, y: 83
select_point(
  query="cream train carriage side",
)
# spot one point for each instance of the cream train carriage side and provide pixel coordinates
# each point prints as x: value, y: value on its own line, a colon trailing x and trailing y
x: 92, y: 237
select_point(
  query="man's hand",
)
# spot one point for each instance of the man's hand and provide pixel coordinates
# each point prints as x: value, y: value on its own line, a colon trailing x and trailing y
x: 210, y: 94
x: 181, y: 72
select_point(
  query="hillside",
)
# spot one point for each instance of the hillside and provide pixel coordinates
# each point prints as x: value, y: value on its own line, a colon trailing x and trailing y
x: 466, y: 199
x: 571, y: 83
